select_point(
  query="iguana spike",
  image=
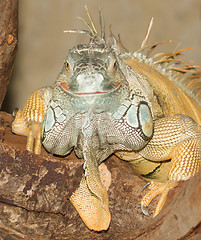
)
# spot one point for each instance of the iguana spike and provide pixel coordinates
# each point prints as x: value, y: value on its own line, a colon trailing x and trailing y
x: 121, y: 44
x: 102, y: 24
x: 171, y: 55
x: 147, y: 33
x: 91, y: 21
x: 117, y: 42
x: 152, y: 46
x: 91, y: 30
x: 184, y: 69
x: 111, y: 34
x: 79, y: 31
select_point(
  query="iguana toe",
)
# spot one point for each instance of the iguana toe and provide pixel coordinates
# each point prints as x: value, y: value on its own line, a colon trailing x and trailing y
x: 156, y: 188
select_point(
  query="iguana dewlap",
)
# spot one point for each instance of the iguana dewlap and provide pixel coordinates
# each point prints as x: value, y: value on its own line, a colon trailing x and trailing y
x: 105, y: 101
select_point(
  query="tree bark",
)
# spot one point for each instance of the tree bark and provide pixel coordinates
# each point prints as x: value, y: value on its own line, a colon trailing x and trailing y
x: 35, y: 191
x: 8, y: 42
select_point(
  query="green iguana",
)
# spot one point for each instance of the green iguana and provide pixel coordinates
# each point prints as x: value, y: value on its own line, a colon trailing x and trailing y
x: 107, y: 100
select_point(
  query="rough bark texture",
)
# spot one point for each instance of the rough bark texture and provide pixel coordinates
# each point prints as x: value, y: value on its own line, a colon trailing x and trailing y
x: 35, y: 191
x: 8, y: 42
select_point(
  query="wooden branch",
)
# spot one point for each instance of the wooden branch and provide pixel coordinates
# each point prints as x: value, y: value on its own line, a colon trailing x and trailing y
x: 8, y: 42
x: 35, y: 191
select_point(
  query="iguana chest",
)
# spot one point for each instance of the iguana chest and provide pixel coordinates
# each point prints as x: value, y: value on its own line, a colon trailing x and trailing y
x: 102, y: 128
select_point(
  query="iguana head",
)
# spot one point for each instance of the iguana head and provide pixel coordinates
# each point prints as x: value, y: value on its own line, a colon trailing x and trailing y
x: 91, y: 74
x: 91, y: 69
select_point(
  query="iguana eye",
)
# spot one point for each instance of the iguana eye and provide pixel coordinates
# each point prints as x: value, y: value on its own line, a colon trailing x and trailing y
x: 115, y: 65
x: 67, y: 65
x: 112, y: 66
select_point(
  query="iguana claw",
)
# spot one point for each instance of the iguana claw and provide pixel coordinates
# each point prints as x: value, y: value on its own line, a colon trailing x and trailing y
x: 144, y: 210
x: 145, y: 186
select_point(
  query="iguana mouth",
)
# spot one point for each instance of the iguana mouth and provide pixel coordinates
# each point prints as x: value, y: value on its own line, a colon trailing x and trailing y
x: 89, y: 93
x: 64, y: 86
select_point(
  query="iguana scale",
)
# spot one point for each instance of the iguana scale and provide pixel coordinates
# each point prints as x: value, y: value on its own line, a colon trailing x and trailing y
x: 107, y: 100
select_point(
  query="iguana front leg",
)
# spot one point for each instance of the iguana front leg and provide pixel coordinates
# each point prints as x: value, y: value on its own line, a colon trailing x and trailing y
x: 28, y: 122
x: 177, y: 138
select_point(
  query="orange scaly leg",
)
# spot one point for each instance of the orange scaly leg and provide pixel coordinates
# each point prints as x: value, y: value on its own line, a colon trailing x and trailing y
x: 179, y: 139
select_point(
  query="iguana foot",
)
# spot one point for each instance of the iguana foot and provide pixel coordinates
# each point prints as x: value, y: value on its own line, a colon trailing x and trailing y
x: 28, y: 122
x: 32, y: 130
x: 156, y: 189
